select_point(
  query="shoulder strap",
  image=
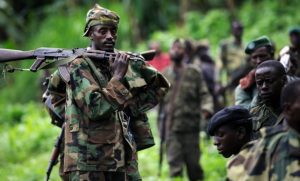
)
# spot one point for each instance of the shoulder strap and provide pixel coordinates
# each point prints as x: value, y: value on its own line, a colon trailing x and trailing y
x: 64, y: 73
x: 100, y: 78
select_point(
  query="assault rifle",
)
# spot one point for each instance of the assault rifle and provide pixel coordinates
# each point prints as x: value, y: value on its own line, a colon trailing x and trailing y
x: 51, y: 57
x: 59, y: 141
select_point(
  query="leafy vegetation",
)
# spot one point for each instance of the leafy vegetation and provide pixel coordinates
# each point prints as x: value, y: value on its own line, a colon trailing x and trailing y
x: 27, y: 138
x: 26, y: 134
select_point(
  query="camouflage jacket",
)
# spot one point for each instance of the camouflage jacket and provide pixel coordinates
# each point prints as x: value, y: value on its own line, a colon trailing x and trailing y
x: 235, y: 163
x: 274, y: 157
x: 232, y: 57
x: 183, y: 106
x: 263, y: 116
x: 96, y: 127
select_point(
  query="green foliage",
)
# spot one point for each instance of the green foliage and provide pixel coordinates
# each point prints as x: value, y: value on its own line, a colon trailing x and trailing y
x: 26, y: 147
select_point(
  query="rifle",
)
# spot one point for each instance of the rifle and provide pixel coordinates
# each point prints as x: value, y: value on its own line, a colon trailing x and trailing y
x: 162, y: 125
x: 56, y: 150
x: 62, y: 56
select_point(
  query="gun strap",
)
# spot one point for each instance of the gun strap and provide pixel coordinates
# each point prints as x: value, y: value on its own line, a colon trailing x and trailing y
x: 100, y: 78
x: 64, y: 73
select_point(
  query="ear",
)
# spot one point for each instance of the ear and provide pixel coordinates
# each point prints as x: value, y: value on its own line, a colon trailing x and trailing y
x: 241, y: 132
x: 286, y: 109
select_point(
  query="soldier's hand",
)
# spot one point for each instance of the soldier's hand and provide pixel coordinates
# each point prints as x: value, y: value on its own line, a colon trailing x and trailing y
x: 119, y: 65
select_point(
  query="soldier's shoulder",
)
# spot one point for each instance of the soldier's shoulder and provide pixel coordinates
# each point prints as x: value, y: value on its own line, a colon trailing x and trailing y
x: 270, y: 132
x: 194, y: 68
x: 225, y: 42
x: 242, y: 155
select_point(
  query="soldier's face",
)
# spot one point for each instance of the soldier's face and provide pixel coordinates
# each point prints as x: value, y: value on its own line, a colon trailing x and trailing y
x: 177, y: 52
x: 292, y: 114
x: 237, y: 30
x: 295, y: 39
x: 103, y: 37
x: 260, y: 55
x: 227, y: 140
x: 269, y: 83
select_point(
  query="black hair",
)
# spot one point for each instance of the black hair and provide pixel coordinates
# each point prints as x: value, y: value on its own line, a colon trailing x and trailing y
x: 290, y: 93
x: 278, y: 67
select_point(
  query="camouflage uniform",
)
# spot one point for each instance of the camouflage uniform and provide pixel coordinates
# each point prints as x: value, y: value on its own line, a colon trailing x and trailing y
x: 264, y: 116
x: 232, y: 57
x: 103, y: 116
x: 182, y: 106
x: 274, y: 157
x: 95, y: 123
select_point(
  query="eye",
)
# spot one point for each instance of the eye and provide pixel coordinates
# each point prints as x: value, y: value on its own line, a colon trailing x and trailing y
x: 219, y: 134
x: 259, y: 82
x: 102, y: 31
x: 113, y: 32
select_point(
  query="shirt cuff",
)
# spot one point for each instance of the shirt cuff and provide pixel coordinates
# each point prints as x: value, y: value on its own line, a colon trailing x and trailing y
x: 117, y: 93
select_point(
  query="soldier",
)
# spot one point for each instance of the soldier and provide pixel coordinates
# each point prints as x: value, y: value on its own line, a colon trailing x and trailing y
x: 233, y: 59
x: 270, y: 78
x: 276, y: 156
x: 232, y: 131
x: 97, y: 142
x: 207, y: 65
x: 259, y: 50
x: 290, y: 55
x: 231, y: 128
x: 182, y: 106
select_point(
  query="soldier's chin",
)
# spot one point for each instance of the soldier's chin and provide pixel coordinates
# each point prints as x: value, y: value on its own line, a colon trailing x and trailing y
x: 266, y: 97
x: 109, y: 48
x: 225, y: 154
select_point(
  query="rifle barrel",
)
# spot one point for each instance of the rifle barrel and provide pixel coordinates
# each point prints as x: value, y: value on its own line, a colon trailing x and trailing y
x: 7, y: 55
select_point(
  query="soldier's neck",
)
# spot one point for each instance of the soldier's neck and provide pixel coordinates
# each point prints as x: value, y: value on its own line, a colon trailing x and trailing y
x: 274, y: 104
x: 238, y: 41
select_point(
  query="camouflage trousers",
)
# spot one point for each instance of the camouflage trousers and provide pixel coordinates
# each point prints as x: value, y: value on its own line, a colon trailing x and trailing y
x: 95, y: 176
x: 132, y: 170
x: 183, y: 150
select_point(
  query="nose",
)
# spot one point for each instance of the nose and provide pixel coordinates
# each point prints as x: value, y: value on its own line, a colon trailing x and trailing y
x: 216, y: 141
x: 258, y: 61
x: 109, y: 35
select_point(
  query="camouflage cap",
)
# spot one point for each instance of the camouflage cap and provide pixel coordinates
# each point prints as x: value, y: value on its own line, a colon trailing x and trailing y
x: 99, y: 15
x: 233, y: 114
x: 294, y: 30
x: 257, y: 43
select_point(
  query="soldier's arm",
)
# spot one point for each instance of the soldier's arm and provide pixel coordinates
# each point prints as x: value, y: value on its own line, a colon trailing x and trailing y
x: 242, y: 98
x: 94, y: 101
x: 56, y: 90
x: 206, y: 98
x: 151, y: 92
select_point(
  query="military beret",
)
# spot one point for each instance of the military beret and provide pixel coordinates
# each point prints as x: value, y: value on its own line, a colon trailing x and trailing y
x: 257, y: 43
x: 99, y: 15
x: 294, y: 30
x: 234, y: 114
